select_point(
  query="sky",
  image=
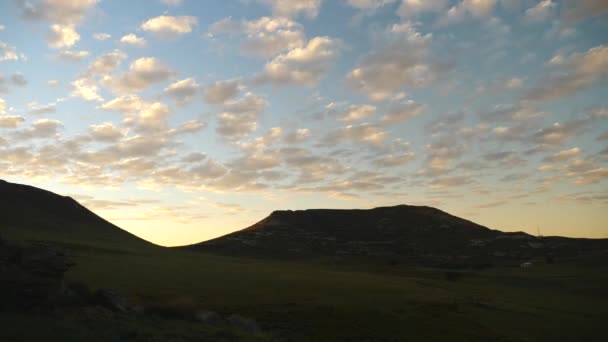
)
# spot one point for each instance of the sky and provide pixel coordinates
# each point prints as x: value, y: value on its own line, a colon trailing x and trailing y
x: 181, y: 121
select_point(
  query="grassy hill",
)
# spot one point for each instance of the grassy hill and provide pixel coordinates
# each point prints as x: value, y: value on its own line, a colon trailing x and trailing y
x: 413, y: 234
x: 316, y: 299
x: 30, y: 213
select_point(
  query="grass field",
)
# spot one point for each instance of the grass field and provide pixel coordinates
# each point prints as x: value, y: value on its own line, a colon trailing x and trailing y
x: 565, y: 301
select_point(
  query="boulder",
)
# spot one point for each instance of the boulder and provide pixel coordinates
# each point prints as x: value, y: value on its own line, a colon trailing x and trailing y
x: 111, y: 299
x: 245, y: 324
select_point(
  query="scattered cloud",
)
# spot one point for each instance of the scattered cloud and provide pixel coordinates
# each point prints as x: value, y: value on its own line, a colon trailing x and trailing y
x: 142, y: 73
x: 405, y: 62
x: 293, y: 7
x: 182, y: 91
x: 170, y: 26
x: 571, y: 74
x: 72, y: 56
x: 303, y: 65
x: 132, y: 40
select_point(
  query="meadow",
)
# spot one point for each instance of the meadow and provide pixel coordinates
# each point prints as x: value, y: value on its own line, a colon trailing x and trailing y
x: 328, y: 300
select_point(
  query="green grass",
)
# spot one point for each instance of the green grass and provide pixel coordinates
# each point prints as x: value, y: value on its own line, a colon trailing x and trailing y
x: 322, y: 301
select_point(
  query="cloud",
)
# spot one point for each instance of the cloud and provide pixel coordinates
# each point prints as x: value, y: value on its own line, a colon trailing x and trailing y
x: 293, y: 7
x: 8, y: 53
x: 297, y: 136
x: 133, y: 40
x: 86, y: 89
x: 541, y: 12
x: 102, y: 36
x: 579, y: 10
x: 72, y: 56
x: 563, y: 155
x: 63, y: 15
x: 450, y: 182
x: 239, y: 117
x: 56, y: 11
x: 145, y: 116
x: 303, y: 65
x: 171, y: 2
x: 403, y: 111
x: 357, y: 112
x: 366, y: 133
x: 559, y: 133
x: 106, y: 63
x: 9, y: 121
x: 571, y: 74
x: 593, y: 176
x: 16, y: 79
x: 266, y: 36
x: 409, y: 8
x: 62, y: 36
x: 142, y: 73
x: 41, y: 128
x: 106, y: 132
x: 169, y: 26
x: 37, y: 109
x: 221, y: 91
x: 404, y: 62
x: 462, y: 10
x: 369, y: 5
x: 182, y: 91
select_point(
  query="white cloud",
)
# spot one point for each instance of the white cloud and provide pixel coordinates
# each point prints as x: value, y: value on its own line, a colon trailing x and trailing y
x: 239, y: 117
x: 169, y: 26
x: 293, y: 7
x: 62, y: 36
x: 37, y: 109
x: 369, y: 5
x: 142, y: 73
x: 72, y: 56
x: 106, y: 63
x: 2, y: 105
x: 403, y: 111
x: 221, y: 91
x: 409, y: 8
x: 357, y: 112
x: 171, y: 2
x: 86, y: 88
x: 541, y: 12
x: 266, y: 36
x: 405, y: 61
x: 106, y: 132
x: 133, y: 40
x: 579, y: 10
x: 102, y: 36
x: 460, y: 11
x: 42, y: 128
x: 182, y: 91
x: 570, y: 74
x: 366, y: 133
x: 8, y: 53
x: 303, y: 65
x: 9, y: 121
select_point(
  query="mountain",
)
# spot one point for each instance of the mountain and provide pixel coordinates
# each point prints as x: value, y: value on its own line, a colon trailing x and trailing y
x: 31, y: 213
x: 419, y: 234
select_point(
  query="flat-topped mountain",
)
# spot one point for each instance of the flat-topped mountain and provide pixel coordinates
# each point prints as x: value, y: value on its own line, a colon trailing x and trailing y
x: 27, y: 212
x: 417, y: 233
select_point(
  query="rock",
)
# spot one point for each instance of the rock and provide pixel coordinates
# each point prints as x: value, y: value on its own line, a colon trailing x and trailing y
x: 243, y: 323
x: 111, y: 299
x: 208, y: 317
x: 31, y: 275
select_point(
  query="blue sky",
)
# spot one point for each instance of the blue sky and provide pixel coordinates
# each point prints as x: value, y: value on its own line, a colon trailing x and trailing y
x: 184, y: 120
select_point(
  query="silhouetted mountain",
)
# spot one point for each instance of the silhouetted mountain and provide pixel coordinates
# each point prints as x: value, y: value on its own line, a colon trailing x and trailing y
x: 35, y: 214
x: 416, y: 233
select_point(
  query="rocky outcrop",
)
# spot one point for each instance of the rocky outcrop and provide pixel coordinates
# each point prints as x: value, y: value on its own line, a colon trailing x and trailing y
x: 31, y: 275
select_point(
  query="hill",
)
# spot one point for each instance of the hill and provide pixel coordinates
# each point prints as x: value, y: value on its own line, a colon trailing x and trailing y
x: 31, y: 213
x: 416, y: 233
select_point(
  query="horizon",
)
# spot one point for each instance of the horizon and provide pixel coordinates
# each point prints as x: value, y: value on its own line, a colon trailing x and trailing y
x: 183, y: 121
